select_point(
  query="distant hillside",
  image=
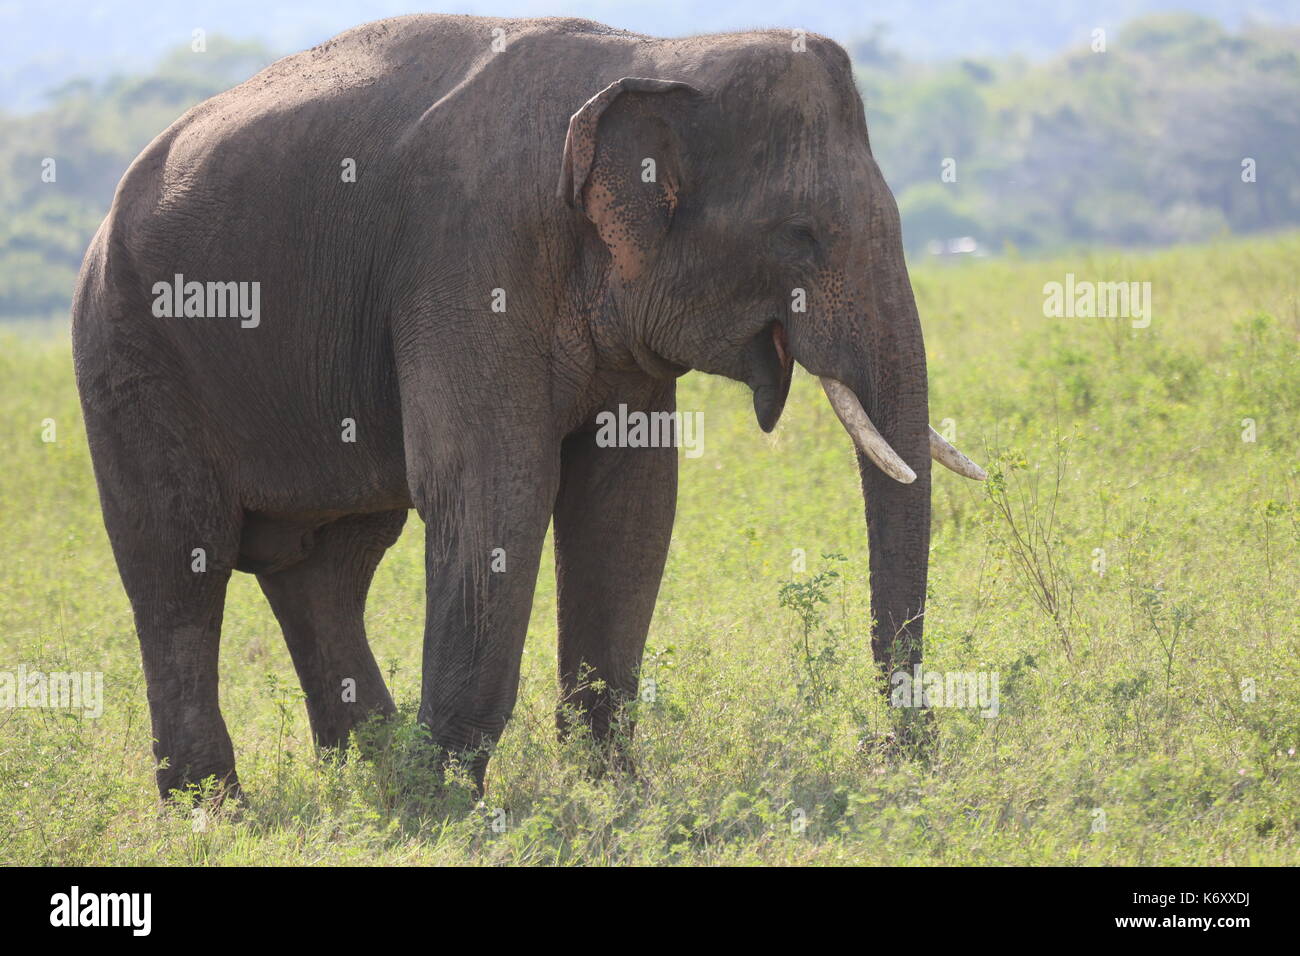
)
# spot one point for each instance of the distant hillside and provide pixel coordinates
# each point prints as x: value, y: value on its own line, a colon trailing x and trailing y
x: 1143, y: 144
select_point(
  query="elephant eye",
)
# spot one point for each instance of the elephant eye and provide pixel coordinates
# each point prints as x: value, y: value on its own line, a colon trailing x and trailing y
x: 798, y: 236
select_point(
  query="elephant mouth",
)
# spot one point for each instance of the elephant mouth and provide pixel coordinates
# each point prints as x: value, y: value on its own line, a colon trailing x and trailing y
x: 771, y: 368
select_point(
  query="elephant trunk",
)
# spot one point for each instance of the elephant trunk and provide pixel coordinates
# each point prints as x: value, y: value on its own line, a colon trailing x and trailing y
x: 871, y: 360
x: 898, y: 512
x: 882, y: 402
x: 898, y: 531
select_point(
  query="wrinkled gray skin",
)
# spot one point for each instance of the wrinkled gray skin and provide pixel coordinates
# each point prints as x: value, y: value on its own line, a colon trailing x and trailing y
x: 376, y: 306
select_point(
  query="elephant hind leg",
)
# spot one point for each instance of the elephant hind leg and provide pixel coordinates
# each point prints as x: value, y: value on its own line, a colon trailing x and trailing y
x: 178, y: 614
x: 175, y: 534
x: 320, y: 602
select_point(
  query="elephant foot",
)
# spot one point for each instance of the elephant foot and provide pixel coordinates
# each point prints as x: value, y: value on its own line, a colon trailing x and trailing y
x: 213, y: 789
x: 915, y: 736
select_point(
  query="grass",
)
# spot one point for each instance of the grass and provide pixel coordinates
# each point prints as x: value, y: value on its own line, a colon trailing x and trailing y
x: 1129, y: 572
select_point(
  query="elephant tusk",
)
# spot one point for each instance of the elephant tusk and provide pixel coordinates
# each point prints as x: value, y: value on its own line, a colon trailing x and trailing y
x: 952, y: 459
x: 869, y: 441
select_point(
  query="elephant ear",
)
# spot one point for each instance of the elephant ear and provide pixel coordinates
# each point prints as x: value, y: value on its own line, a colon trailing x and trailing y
x: 622, y: 165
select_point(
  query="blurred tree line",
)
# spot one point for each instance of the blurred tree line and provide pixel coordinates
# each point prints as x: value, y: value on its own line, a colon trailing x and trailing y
x: 1140, y: 144
x: 91, y: 132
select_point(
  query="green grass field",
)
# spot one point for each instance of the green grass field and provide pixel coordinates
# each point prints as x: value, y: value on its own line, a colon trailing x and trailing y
x: 1148, y: 714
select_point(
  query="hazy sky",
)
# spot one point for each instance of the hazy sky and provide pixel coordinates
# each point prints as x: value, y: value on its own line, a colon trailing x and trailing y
x: 44, y: 43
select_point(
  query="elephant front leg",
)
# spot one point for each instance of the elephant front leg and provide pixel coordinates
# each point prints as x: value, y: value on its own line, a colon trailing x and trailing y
x: 613, y: 520
x: 483, y: 541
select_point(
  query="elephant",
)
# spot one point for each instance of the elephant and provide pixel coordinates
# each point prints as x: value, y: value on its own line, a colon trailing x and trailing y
x: 409, y: 268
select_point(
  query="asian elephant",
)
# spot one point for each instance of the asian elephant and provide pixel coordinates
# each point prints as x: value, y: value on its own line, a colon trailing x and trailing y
x: 350, y: 286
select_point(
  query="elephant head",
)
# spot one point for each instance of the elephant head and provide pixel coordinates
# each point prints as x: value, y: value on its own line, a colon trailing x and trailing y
x: 747, y: 227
